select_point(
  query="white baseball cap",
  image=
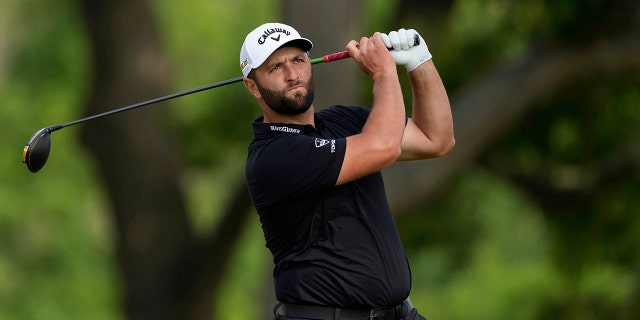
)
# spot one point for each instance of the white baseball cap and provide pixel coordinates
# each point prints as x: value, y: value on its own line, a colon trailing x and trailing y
x: 266, y: 39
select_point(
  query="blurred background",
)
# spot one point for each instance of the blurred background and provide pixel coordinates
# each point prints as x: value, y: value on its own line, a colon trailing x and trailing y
x: 145, y: 215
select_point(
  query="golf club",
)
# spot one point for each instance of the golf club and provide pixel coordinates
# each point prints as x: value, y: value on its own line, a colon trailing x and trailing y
x: 36, y: 152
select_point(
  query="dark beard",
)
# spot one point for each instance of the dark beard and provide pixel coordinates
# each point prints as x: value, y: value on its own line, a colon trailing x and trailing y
x: 278, y: 102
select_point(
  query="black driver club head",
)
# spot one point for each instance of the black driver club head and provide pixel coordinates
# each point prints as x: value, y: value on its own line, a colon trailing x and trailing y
x: 36, y: 152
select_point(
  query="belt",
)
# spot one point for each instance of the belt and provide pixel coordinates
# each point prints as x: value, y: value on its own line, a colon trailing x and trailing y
x: 319, y: 312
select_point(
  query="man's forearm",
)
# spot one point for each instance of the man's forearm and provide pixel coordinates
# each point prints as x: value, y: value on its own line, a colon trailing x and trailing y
x: 431, y: 110
x: 388, y: 113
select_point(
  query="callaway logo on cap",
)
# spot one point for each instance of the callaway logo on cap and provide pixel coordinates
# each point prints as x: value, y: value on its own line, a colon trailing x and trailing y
x: 264, y: 40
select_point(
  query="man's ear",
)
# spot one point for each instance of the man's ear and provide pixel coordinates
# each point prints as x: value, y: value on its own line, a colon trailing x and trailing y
x: 250, y: 84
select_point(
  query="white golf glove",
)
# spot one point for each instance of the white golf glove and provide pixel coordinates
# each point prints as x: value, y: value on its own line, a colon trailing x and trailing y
x: 405, y: 52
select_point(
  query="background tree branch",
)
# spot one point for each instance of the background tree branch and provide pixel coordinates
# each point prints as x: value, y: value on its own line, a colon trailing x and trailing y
x: 491, y: 103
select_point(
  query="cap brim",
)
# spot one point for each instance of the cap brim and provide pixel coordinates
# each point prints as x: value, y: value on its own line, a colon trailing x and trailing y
x: 302, y: 43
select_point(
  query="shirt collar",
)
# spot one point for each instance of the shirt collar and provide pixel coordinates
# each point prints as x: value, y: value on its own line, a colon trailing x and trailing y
x: 273, y: 129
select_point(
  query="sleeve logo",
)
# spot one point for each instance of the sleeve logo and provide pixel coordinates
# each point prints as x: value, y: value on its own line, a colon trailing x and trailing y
x: 324, y: 142
x: 321, y: 142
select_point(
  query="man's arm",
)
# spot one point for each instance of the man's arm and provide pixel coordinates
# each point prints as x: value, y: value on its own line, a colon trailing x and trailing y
x: 429, y: 133
x: 378, y: 145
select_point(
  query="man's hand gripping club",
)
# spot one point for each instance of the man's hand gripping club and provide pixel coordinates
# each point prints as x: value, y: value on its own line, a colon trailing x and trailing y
x: 405, y: 51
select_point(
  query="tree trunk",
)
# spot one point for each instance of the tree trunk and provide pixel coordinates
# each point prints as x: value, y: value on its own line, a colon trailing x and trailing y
x: 330, y: 25
x: 166, y: 272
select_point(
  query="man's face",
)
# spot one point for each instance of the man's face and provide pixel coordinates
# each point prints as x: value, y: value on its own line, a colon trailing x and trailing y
x: 285, y: 81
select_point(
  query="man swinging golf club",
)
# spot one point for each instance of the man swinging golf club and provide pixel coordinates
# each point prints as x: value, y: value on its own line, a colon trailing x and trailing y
x: 314, y: 177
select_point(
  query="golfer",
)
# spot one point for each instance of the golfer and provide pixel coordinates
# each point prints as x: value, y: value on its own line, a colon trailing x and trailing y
x: 314, y: 177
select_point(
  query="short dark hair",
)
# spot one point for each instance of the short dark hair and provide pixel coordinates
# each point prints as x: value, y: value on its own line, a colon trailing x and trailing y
x: 252, y: 74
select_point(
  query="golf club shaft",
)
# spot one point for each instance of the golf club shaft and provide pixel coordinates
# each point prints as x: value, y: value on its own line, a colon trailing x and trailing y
x: 326, y: 58
x: 148, y: 102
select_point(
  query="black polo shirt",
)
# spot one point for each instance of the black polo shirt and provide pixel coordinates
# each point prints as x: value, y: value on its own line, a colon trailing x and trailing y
x: 331, y: 245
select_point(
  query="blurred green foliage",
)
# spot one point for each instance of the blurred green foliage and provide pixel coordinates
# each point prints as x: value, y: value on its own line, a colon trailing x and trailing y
x: 488, y: 249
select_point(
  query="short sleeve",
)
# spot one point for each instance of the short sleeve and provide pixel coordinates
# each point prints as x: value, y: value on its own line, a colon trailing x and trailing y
x: 292, y: 164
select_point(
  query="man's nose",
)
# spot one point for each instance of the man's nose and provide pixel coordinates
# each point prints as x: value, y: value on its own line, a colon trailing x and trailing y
x: 291, y: 72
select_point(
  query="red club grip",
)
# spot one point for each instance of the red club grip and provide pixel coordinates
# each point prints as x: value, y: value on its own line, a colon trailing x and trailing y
x: 344, y: 54
x: 336, y: 56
